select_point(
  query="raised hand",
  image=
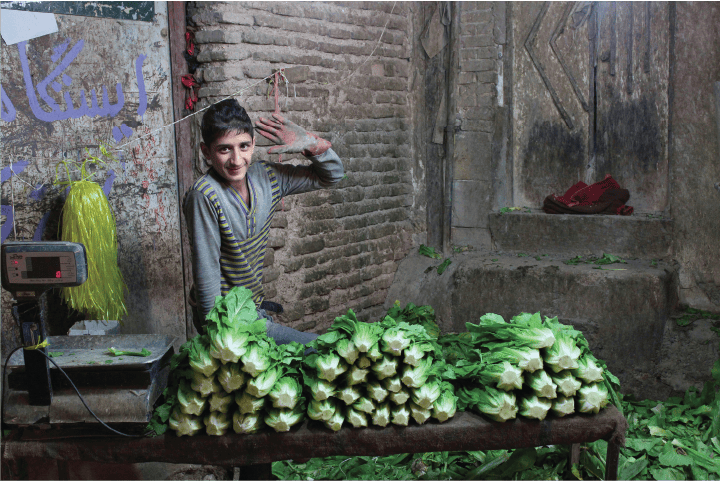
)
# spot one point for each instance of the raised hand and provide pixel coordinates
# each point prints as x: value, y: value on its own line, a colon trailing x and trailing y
x: 290, y: 137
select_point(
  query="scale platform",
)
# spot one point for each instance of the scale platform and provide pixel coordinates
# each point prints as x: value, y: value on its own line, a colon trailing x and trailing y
x: 118, y: 389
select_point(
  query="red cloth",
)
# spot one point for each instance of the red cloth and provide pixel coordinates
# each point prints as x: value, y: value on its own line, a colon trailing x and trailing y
x: 189, y: 44
x: 604, y: 197
x: 190, y: 83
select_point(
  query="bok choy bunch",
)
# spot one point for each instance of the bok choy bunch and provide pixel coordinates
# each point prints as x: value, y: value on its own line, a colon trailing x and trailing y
x: 232, y: 376
x: 381, y: 373
x: 543, y: 365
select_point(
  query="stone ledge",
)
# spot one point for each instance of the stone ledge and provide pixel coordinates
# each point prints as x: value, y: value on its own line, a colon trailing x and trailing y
x: 625, y: 236
x: 621, y: 313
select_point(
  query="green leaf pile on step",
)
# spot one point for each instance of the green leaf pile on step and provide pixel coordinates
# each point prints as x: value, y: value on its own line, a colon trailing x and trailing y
x: 233, y: 377
x: 381, y: 373
x: 530, y: 367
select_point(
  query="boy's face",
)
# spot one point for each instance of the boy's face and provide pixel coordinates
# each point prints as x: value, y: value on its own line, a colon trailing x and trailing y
x: 230, y: 156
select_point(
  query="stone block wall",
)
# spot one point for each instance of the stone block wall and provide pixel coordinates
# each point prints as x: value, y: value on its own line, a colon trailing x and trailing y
x: 348, y: 71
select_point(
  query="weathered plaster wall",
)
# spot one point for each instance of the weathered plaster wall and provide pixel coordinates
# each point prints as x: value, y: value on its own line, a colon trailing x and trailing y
x: 88, y: 55
x: 349, y: 79
x: 694, y: 152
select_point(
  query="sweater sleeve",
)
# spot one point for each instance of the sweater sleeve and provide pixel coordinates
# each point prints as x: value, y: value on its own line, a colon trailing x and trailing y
x: 324, y: 171
x: 204, y: 239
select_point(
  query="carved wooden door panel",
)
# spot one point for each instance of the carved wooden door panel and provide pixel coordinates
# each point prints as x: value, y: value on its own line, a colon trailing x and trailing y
x: 590, y: 98
x: 632, y: 99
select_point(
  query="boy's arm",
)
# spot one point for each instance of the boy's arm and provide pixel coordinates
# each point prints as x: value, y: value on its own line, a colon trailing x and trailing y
x: 204, y: 236
x: 324, y: 171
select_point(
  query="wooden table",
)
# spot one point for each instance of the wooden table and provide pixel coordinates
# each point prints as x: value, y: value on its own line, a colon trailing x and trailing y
x: 465, y: 432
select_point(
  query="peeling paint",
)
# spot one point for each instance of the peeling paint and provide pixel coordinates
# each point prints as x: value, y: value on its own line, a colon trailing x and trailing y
x: 99, y: 68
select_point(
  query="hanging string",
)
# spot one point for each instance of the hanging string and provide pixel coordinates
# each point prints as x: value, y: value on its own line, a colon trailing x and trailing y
x: 276, y: 80
x: 234, y: 94
x: 122, y: 148
x: 371, y: 55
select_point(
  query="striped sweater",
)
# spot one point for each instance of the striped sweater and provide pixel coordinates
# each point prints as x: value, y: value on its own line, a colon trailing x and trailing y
x: 228, y: 238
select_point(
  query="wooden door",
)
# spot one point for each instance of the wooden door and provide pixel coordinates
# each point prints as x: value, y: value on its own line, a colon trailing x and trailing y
x: 590, y: 98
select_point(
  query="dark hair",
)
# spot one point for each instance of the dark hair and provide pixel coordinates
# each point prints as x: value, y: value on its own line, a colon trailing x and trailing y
x: 223, y: 117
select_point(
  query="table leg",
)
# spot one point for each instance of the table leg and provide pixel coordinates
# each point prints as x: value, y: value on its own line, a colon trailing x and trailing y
x: 63, y: 470
x: 10, y: 470
x: 612, y: 453
x: 14, y: 469
x: 255, y: 471
x: 575, y: 454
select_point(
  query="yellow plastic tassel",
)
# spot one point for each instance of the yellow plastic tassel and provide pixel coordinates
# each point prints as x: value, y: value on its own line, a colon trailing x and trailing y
x: 88, y: 219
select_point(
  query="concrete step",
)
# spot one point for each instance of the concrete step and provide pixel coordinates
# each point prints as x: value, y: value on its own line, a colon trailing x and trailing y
x: 639, y: 235
x: 622, y: 313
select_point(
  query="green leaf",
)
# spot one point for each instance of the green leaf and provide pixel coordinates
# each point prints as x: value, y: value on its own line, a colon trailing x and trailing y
x: 55, y: 354
x: 428, y: 252
x: 443, y: 266
x: 522, y: 255
x: 632, y: 468
x: 478, y: 472
x: 664, y: 474
x: 505, y: 210
x: 108, y: 361
x: 699, y: 458
x: 593, y: 465
x: 642, y: 444
x: 610, y: 259
x: 670, y: 456
x: 575, y: 261
x: 520, y: 460
x: 494, y: 260
x: 143, y: 353
x: 699, y: 473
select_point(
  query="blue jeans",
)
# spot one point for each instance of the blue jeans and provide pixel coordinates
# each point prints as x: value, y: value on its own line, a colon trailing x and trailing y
x: 283, y: 334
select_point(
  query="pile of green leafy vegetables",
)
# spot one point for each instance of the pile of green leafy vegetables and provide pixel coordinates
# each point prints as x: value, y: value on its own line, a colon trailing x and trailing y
x: 229, y: 379
x: 673, y: 439
x: 232, y: 377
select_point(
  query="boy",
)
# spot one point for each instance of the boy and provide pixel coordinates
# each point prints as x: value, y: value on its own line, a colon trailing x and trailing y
x: 229, y: 210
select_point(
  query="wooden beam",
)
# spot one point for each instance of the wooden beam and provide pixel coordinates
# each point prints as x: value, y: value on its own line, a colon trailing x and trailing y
x: 183, y: 142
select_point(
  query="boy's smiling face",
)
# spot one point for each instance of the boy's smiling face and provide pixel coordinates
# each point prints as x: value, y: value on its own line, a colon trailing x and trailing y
x: 230, y: 155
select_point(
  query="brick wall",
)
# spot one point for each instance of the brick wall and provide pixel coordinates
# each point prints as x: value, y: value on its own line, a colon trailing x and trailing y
x: 334, y: 249
x: 478, y: 175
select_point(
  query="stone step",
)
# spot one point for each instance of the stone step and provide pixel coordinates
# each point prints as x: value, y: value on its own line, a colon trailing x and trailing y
x: 622, y: 313
x: 639, y: 235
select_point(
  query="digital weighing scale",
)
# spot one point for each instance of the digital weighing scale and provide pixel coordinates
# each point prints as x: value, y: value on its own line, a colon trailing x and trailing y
x: 118, y: 389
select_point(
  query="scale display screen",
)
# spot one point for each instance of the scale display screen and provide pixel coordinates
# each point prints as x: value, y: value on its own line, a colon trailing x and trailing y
x: 29, y: 267
x: 43, y: 268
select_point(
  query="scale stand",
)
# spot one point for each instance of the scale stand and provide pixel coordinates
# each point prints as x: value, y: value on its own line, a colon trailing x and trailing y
x: 29, y: 269
x: 30, y: 316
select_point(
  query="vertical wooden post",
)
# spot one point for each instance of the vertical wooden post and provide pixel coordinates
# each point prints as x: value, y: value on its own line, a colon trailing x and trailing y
x: 184, y: 150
